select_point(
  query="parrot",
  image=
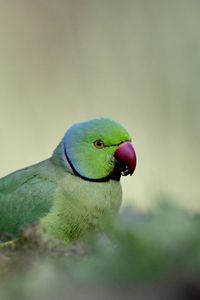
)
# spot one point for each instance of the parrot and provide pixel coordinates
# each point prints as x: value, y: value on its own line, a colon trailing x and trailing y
x: 70, y: 192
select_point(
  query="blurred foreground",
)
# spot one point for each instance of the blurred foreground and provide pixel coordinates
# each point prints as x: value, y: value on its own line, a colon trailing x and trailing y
x: 140, y: 256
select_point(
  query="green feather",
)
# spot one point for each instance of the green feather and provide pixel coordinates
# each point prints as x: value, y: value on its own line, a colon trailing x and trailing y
x: 25, y: 196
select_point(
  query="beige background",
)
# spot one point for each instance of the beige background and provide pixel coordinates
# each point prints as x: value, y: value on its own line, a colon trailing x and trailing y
x: 135, y: 61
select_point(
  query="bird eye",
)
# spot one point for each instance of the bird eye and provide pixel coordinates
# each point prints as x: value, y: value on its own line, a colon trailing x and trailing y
x: 99, y: 144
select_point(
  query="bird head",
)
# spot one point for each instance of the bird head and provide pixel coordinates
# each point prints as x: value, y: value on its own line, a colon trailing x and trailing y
x: 99, y: 150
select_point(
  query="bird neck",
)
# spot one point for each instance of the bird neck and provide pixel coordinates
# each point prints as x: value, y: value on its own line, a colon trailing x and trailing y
x: 59, y: 158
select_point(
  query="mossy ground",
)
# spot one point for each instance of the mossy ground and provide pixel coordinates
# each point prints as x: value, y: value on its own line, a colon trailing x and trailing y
x: 137, y: 257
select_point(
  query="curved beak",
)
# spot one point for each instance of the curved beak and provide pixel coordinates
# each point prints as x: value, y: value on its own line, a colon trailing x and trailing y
x: 125, y: 158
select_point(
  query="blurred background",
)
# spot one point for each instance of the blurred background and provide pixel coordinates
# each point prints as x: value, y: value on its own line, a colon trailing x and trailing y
x: 136, y: 61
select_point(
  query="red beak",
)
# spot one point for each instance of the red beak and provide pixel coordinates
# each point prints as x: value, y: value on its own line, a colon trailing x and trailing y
x: 126, y: 158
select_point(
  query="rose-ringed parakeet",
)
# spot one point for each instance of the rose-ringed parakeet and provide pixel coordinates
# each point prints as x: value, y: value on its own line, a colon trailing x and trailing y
x: 71, y: 191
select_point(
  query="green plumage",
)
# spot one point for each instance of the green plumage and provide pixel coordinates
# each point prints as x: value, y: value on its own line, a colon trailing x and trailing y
x: 66, y: 204
x: 25, y: 196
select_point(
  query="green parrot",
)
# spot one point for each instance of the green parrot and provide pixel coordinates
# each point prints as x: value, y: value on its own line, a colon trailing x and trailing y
x: 70, y: 192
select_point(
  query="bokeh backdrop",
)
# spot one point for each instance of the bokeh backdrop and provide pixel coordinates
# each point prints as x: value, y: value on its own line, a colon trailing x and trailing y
x: 136, y: 61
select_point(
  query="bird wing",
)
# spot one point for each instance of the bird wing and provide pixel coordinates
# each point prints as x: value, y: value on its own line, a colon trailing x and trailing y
x: 25, y: 196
